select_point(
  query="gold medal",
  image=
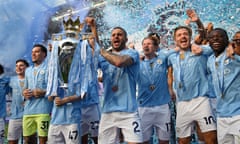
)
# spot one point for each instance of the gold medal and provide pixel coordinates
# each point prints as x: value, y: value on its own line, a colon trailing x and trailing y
x: 152, y: 87
x: 159, y: 61
x: 21, y: 83
x: 182, y: 56
x: 115, y: 88
x: 35, y: 72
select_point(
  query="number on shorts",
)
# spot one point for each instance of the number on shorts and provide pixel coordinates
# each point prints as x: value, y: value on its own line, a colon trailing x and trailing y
x: 73, y: 135
x: 45, y: 124
x: 168, y: 125
x: 209, y: 120
x: 136, y: 127
x: 94, y: 125
x: 2, y: 134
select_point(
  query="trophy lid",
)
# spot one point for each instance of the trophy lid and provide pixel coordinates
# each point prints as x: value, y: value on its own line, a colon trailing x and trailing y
x: 72, y: 25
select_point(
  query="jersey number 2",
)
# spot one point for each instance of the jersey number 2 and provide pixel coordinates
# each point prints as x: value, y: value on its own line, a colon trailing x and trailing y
x: 136, y: 127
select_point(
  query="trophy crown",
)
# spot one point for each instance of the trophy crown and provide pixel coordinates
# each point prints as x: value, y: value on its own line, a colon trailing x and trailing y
x: 72, y: 25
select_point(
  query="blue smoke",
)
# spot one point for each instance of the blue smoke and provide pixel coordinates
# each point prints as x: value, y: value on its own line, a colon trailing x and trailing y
x: 22, y: 25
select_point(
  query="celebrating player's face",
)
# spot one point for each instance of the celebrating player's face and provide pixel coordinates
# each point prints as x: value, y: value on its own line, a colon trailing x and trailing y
x: 148, y: 47
x: 182, y: 38
x: 217, y: 40
x: 20, y: 68
x: 37, y: 55
x: 118, y: 39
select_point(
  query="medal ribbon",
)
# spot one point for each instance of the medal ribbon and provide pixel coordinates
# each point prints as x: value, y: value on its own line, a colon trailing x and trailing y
x: 52, y: 82
x: 116, y: 75
x: 36, y: 71
x: 78, y: 78
x: 94, y: 61
x: 181, y: 65
x: 21, y: 85
x: 117, y: 72
x: 150, y: 70
x: 220, y: 72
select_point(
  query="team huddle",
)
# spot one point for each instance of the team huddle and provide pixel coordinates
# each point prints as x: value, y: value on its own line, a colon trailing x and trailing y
x: 203, y: 78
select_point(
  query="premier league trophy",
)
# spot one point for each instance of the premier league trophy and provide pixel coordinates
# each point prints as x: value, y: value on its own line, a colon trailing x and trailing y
x: 64, y: 62
x: 67, y: 48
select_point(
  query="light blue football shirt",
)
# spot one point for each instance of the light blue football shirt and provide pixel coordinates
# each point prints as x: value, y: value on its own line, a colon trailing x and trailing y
x: 69, y: 113
x: 207, y: 50
x: 4, y: 89
x: 226, y: 81
x: 124, y: 98
x: 17, y: 98
x: 153, y: 72
x: 190, y: 75
x: 36, y: 77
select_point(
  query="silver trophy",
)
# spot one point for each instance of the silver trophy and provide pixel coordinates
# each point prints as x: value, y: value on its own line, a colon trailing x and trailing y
x: 67, y: 45
x: 65, y: 59
x: 73, y: 32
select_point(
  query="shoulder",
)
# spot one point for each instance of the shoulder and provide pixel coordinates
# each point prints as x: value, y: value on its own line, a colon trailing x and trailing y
x: 172, y: 56
x: 4, y: 79
x: 13, y: 78
x: 28, y: 69
x: 165, y: 51
x: 131, y: 53
x: 44, y: 64
x: 210, y: 58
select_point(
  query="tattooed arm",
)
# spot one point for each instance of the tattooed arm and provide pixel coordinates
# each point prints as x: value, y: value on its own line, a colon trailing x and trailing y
x: 117, y: 60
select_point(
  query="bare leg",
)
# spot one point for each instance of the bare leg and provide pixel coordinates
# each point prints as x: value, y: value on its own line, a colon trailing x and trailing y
x: 145, y: 142
x: 133, y: 143
x: 85, y: 139
x: 199, y: 133
x: 163, y: 141
x: 13, y: 142
x: 42, y: 140
x: 121, y: 137
x: 186, y: 140
x: 210, y: 137
x: 30, y: 139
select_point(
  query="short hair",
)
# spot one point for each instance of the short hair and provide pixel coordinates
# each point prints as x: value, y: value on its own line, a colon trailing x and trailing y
x: 155, y: 36
x: 238, y: 32
x: 1, y: 69
x: 122, y: 29
x: 182, y: 27
x: 222, y: 30
x: 24, y: 61
x: 43, y: 48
